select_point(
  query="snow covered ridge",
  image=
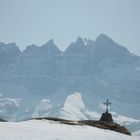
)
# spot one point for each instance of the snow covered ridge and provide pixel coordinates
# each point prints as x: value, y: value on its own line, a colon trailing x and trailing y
x: 50, y: 130
x: 100, y: 124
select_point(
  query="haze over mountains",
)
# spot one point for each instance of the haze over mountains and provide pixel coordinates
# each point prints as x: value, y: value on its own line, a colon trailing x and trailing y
x: 41, y: 80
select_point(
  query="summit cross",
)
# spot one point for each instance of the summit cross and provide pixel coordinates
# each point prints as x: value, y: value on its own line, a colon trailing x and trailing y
x: 107, y: 103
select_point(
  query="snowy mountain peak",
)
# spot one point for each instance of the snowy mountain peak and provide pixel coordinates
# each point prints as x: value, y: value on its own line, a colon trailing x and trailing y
x: 74, y: 101
x: 73, y: 107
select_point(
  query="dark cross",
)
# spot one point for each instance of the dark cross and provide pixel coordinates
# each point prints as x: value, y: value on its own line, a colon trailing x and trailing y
x: 107, y: 103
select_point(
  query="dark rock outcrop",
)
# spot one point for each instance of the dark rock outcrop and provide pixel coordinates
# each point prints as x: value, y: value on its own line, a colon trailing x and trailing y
x: 106, y: 117
x: 106, y: 125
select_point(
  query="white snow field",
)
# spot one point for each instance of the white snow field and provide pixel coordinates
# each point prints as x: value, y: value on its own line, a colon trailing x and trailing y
x: 50, y: 130
x: 137, y: 133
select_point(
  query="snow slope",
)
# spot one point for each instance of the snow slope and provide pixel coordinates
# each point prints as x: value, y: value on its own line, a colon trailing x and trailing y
x: 137, y: 133
x: 50, y: 130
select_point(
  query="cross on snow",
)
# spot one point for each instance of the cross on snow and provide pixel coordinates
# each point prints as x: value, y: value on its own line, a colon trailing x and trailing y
x: 107, y: 103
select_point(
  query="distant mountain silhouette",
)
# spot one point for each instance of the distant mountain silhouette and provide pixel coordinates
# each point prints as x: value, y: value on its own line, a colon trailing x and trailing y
x: 97, y: 69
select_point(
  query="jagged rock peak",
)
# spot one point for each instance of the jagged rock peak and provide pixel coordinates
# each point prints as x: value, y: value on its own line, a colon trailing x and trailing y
x: 31, y: 48
x: 77, y: 47
x: 50, y: 47
x: 10, y: 47
x: 102, y: 38
x: 80, y: 41
x: 50, y: 42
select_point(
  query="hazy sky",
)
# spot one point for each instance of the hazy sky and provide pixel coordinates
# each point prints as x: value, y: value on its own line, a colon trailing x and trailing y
x: 29, y: 22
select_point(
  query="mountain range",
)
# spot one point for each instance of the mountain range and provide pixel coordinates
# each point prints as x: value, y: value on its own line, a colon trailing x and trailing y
x: 44, y: 81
